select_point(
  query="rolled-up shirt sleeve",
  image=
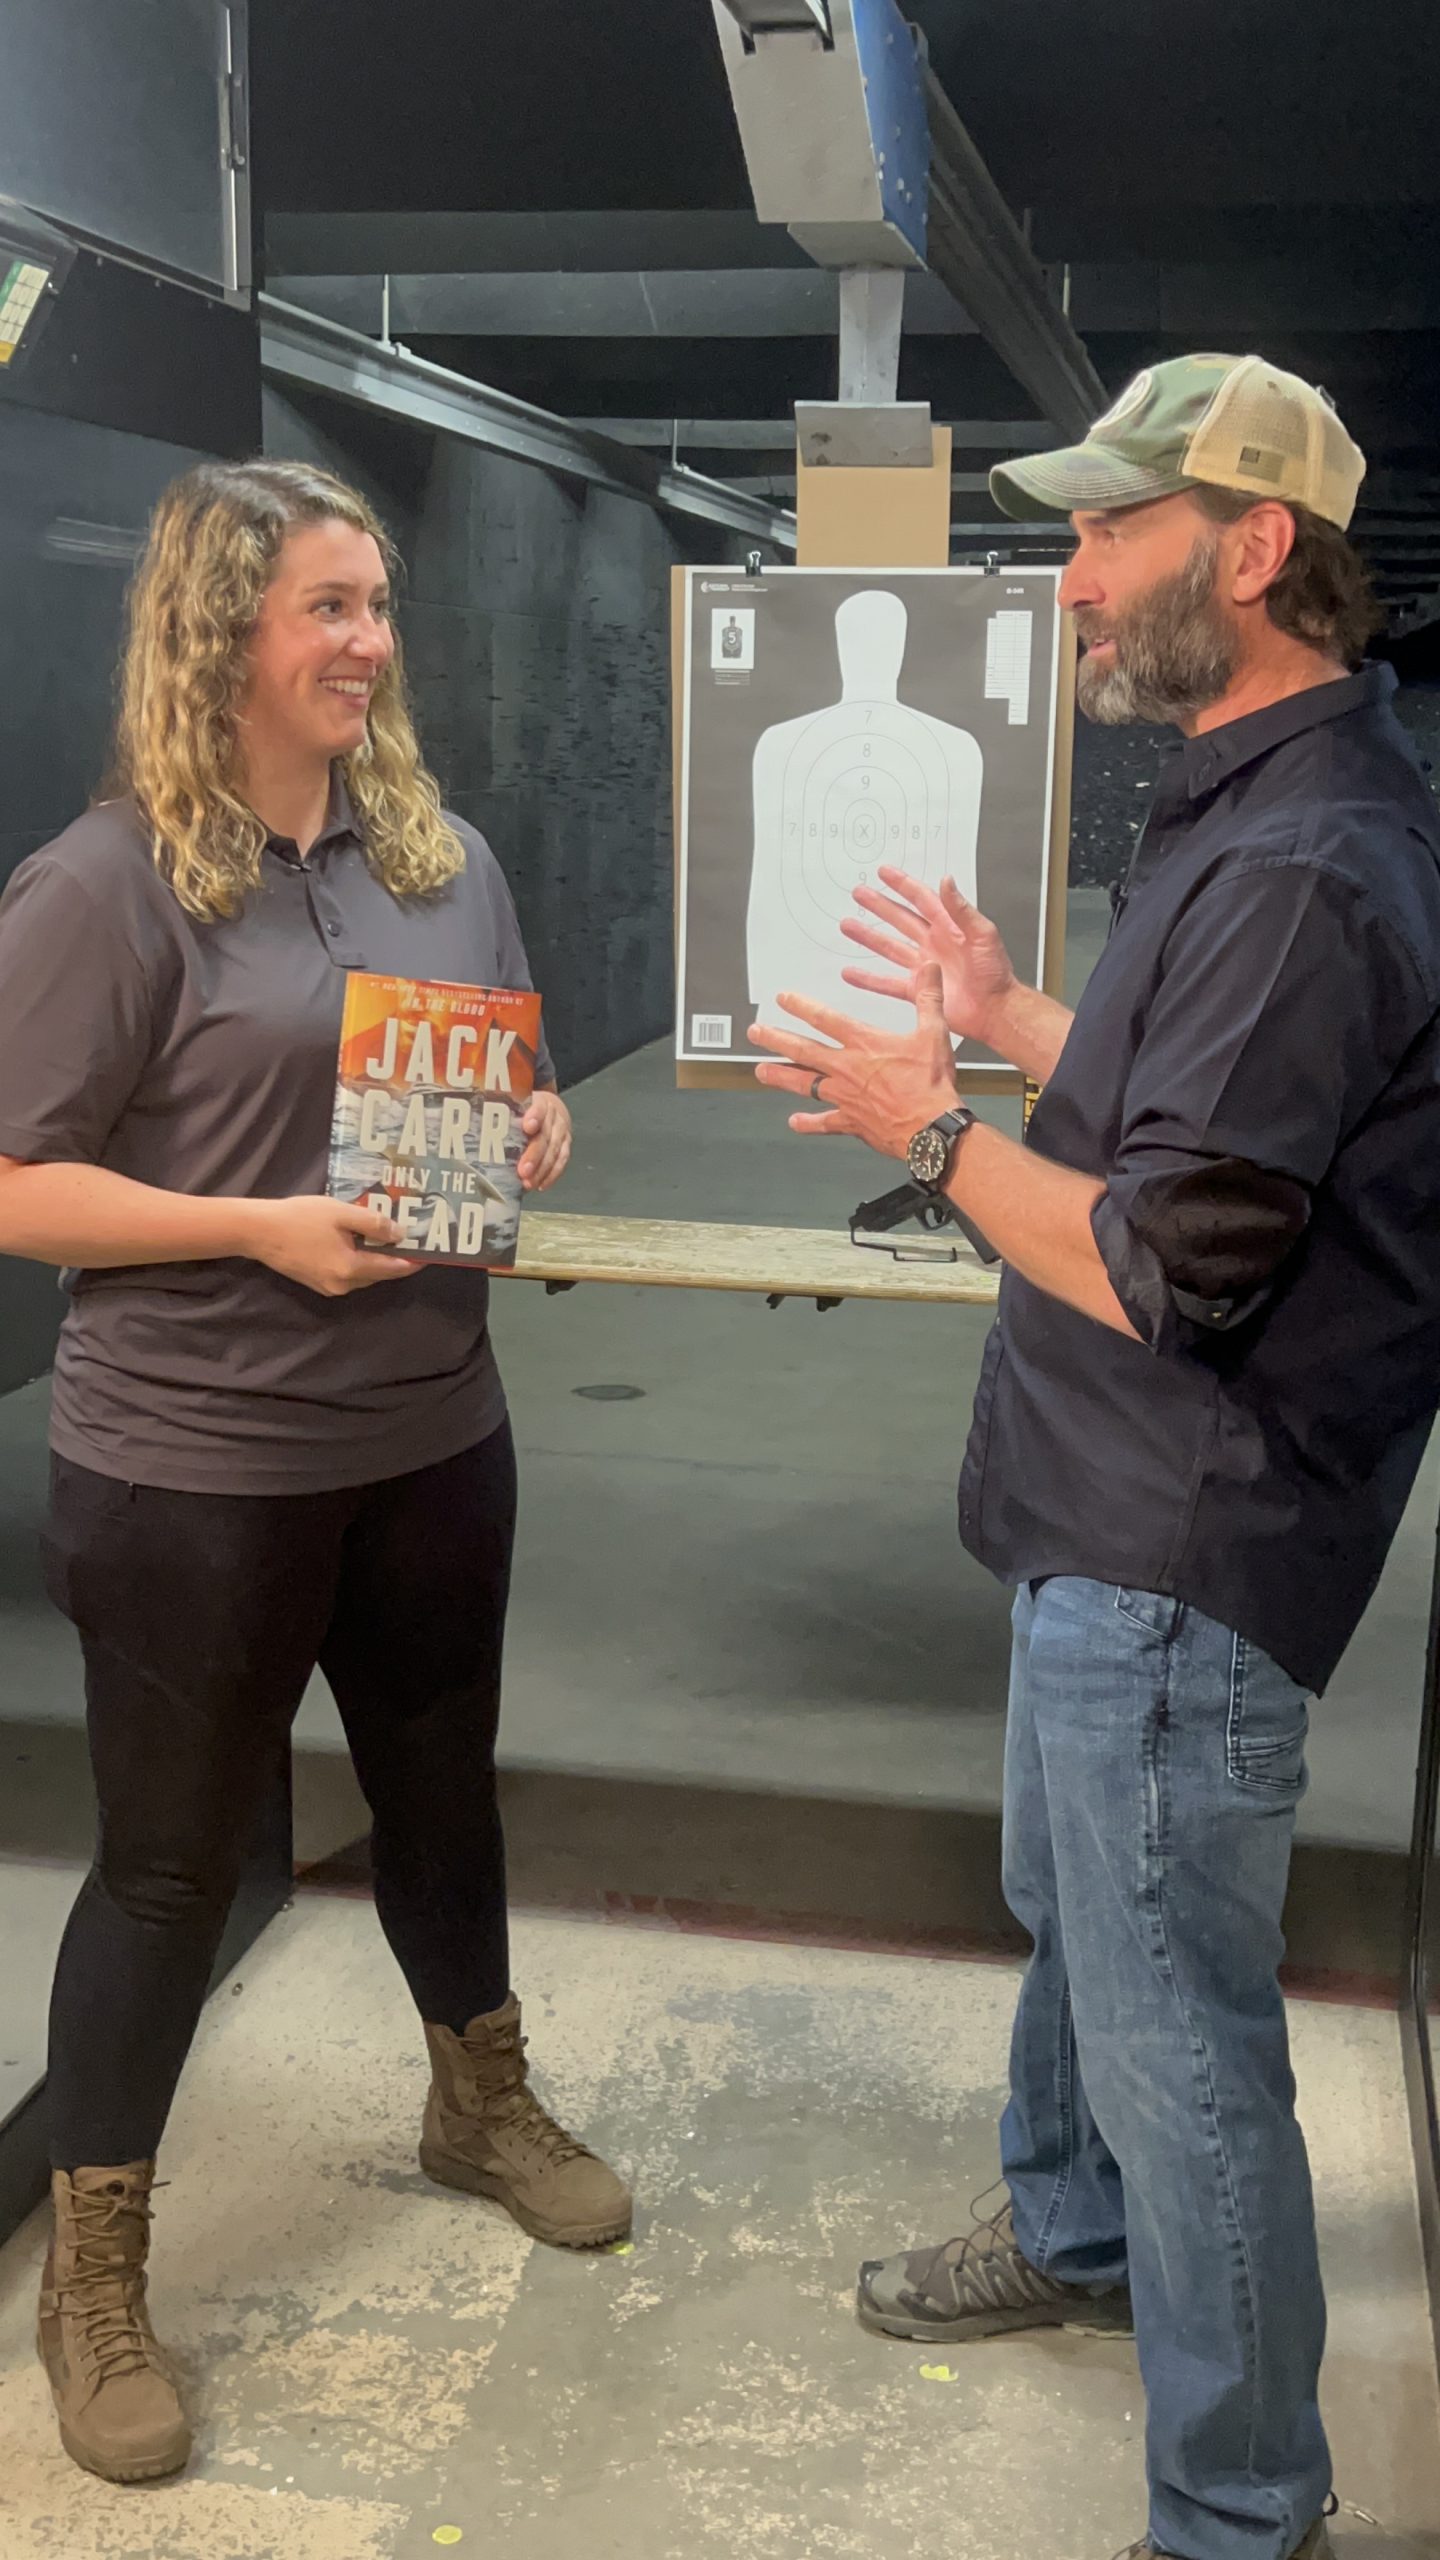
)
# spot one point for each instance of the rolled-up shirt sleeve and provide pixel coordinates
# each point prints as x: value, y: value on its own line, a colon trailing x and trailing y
x: 1285, y: 1005
x: 75, y: 1018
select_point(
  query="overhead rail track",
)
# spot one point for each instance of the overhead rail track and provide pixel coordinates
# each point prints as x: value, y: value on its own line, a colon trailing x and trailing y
x: 311, y: 354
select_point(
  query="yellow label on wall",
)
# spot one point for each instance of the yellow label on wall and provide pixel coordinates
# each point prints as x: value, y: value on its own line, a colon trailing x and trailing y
x: 20, y: 290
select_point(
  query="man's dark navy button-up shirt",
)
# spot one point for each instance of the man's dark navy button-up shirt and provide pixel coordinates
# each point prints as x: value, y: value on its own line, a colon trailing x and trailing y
x: 1254, y: 1073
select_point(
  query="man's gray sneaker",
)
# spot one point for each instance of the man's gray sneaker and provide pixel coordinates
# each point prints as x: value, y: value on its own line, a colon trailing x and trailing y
x: 979, y: 2286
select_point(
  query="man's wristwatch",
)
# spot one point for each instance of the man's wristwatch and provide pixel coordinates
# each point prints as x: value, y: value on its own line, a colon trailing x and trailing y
x: 931, y: 1151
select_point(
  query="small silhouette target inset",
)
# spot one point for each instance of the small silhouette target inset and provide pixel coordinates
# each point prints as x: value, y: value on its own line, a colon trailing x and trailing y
x: 732, y: 637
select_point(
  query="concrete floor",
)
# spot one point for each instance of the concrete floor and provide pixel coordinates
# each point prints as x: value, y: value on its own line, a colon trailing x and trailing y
x: 371, y: 2361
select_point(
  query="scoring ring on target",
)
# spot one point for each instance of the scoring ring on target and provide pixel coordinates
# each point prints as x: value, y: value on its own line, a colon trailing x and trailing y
x: 864, y: 834
x: 864, y: 823
x: 854, y: 798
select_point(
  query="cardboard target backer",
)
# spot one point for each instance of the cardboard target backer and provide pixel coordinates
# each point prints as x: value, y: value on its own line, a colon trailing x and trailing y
x: 836, y: 719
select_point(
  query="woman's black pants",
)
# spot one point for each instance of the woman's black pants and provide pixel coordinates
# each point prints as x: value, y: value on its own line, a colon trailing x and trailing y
x: 201, y: 1617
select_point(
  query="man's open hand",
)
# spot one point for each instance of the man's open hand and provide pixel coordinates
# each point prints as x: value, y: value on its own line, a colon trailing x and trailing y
x: 877, y: 1086
x: 915, y: 924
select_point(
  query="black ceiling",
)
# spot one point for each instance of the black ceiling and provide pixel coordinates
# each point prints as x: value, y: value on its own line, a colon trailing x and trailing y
x: 1296, y: 140
x: 491, y: 105
x: 1080, y: 106
x: 1130, y: 103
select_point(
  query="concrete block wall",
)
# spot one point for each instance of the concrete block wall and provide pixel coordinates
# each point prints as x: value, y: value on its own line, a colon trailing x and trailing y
x: 535, y: 627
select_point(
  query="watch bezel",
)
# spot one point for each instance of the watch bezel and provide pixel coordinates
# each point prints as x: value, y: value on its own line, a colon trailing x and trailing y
x: 945, y: 1131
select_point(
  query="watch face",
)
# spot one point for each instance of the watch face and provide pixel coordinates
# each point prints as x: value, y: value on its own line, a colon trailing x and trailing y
x: 928, y: 1155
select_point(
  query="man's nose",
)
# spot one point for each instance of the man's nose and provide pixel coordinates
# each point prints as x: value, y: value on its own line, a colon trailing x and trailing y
x: 1079, y: 585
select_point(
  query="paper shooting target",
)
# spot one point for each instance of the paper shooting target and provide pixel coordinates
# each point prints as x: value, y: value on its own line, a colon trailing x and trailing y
x: 834, y: 722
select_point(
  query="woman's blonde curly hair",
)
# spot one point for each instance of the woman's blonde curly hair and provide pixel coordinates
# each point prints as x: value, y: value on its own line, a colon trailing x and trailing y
x: 214, y: 541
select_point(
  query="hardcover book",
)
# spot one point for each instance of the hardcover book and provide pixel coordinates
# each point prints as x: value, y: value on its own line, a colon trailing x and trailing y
x: 434, y: 1080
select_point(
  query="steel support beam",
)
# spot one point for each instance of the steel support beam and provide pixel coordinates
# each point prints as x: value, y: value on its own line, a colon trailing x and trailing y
x: 1193, y: 303
x: 781, y: 484
x: 476, y: 244
x: 1049, y: 534
x: 777, y: 435
x: 312, y: 354
x: 976, y: 248
x: 741, y: 302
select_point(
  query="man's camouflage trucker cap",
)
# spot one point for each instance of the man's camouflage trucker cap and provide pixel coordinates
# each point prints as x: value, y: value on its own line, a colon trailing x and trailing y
x: 1234, y: 421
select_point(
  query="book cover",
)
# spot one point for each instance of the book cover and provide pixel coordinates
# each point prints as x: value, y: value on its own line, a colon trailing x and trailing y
x: 433, y: 1082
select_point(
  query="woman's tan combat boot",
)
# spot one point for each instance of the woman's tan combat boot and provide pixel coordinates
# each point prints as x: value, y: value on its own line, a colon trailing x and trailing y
x: 115, y: 2396
x: 486, y: 2132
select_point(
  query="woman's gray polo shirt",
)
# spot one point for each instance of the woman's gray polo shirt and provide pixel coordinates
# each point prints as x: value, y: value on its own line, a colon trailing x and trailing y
x: 200, y: 1058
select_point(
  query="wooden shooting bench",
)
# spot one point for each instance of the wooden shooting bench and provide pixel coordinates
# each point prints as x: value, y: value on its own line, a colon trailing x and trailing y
x: 770, y: 1262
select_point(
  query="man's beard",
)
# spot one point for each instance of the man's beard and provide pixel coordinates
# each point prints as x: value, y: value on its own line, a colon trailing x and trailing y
x: 1175, y: 653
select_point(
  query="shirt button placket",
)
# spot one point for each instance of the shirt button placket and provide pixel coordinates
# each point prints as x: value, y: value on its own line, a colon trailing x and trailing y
x: 326, y: 911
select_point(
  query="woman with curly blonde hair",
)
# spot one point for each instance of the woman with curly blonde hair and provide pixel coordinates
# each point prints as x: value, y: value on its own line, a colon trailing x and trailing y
x: 270, y: 1448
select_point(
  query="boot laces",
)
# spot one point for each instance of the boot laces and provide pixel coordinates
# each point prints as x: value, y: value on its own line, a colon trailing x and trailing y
x: 105, y: 2293
x: 510, y: 2100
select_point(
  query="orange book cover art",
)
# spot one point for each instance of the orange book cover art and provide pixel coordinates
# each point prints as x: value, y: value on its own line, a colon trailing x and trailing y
x: 434, y: 1080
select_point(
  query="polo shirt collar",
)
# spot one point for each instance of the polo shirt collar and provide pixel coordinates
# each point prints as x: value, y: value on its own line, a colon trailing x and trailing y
x: 341, y: 827
x: 1205, y: 764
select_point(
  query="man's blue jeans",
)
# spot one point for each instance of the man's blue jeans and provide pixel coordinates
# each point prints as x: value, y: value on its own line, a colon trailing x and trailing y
x: 1154, y: 1762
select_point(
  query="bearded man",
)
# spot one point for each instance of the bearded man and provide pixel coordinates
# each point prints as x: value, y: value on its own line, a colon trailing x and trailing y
x: 1201, y: 1409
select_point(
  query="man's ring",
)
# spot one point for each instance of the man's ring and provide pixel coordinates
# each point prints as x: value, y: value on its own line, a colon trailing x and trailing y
x: 815, y: 1084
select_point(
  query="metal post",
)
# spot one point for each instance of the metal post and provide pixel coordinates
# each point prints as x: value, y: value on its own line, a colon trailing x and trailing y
x: 872, y: 310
